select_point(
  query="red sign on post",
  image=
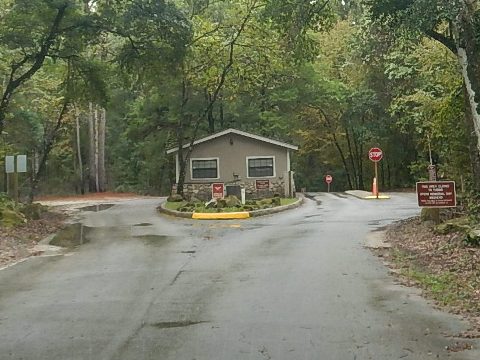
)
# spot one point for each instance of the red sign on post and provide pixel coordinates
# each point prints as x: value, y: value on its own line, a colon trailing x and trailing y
x: 375, y: 154
x: 328, y: 179
x: 218, y: 190
x: 436, y: 194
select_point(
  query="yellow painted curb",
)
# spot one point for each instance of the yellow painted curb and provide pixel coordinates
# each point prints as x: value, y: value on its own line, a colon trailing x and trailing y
x: 382, y: 197
x: 221, y: 216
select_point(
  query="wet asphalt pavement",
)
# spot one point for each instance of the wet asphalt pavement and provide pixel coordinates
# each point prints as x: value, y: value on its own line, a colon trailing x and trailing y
x: 296, y: 285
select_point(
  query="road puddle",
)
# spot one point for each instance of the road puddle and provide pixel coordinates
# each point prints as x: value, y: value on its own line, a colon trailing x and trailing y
x: 176, y: 324
x: 155, y: 240
x: 312, y: 216
x: 72, y: 236
x: 97, y: 208
x: 143, y: 224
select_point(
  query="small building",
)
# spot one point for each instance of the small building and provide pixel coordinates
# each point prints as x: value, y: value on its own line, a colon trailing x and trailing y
x: 237, y: 159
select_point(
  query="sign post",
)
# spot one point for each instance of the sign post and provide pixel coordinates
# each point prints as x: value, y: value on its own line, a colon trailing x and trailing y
x: 375, y: 154
x: 432, y: 172
x: 9, y: 170
x: 12, y: 168
x: 328, y: 180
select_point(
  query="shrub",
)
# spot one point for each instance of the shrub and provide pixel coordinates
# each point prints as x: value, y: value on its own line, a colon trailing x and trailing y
x: 175, y: 198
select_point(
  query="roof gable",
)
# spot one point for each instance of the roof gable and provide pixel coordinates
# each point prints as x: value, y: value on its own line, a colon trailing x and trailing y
x: 238, y: 132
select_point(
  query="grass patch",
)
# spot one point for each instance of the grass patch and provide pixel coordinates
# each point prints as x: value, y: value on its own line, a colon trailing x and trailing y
x: 447, y: 288
x: 287, y: 201
x: 442, y: 287
x: 174, y: 205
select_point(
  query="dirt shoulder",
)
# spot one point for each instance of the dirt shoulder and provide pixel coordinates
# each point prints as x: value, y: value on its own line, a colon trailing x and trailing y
x: 76, y: 201
x: 20, y: 242
x: 444, y: 266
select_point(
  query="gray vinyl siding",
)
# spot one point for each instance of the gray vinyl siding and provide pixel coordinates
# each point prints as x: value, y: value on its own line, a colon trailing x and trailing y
x: 232, y: 151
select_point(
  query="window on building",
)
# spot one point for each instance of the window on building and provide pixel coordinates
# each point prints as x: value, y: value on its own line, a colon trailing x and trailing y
x: 205, y: 169
x: 260, y: 167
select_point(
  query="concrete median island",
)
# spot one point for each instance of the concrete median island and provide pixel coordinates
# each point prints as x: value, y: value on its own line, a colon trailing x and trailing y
x: 227, y: 208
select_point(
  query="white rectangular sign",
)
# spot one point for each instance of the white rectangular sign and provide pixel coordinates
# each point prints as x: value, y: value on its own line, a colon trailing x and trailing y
x: 9, y: 164
x: 21, y: 163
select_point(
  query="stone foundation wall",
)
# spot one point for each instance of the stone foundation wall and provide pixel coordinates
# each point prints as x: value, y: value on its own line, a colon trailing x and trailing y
x: 276, y: 187
x: 203, y: 191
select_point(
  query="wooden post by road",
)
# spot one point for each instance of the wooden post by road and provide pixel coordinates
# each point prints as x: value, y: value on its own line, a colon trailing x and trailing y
x: 15, y: 186
x: 432, y: 176
x: 8, y: 184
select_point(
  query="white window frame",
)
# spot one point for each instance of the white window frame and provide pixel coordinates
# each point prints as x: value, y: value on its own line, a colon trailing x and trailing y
x: 262, y: 157
x: 207, y: 159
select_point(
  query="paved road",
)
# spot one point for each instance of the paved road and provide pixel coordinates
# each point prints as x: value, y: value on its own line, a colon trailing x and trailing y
x: 297, y: 285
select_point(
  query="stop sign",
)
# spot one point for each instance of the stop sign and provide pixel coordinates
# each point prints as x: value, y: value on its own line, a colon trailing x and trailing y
x: 328, y: 179
x: 375, y: 154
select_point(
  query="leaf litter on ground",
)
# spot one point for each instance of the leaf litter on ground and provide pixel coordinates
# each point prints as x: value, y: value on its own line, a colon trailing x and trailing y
x: 444, y: 266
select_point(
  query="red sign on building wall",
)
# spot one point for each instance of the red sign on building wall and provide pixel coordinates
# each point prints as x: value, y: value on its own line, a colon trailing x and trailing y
x: 439, y: 194
x: 262, y: 184
x: 218, y: 190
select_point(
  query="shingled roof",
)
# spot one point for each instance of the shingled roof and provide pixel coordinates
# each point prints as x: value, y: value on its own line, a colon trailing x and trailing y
x: 238, y: 132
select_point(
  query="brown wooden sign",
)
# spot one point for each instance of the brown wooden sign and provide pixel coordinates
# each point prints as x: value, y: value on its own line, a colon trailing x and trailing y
x: 436, y: 194
x: 262, y: 184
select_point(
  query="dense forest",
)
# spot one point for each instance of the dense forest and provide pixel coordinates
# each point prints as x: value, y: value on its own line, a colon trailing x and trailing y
x: 95, y: 92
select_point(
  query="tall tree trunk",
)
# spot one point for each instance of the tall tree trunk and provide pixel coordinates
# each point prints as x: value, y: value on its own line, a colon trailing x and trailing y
x: 92, y: 168
x: 79, y: 151
x: 95, y: 129
x: 351, y: 156
x: 360, y: 156
x: 182, y: 163
x: 221, y: 112
x: 382, y: 171
x: 468, y: 53
x: 102, y: 177
x: 344, y: 161
x: 472, y: 143
x: 359, y: 148
x: 389, y: 175
x: 210, y: 117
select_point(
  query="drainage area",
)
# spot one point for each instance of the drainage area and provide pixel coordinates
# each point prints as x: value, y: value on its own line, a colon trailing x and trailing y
x: 176, y: 324
x: 97, y: 208
x: 72, y: 236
